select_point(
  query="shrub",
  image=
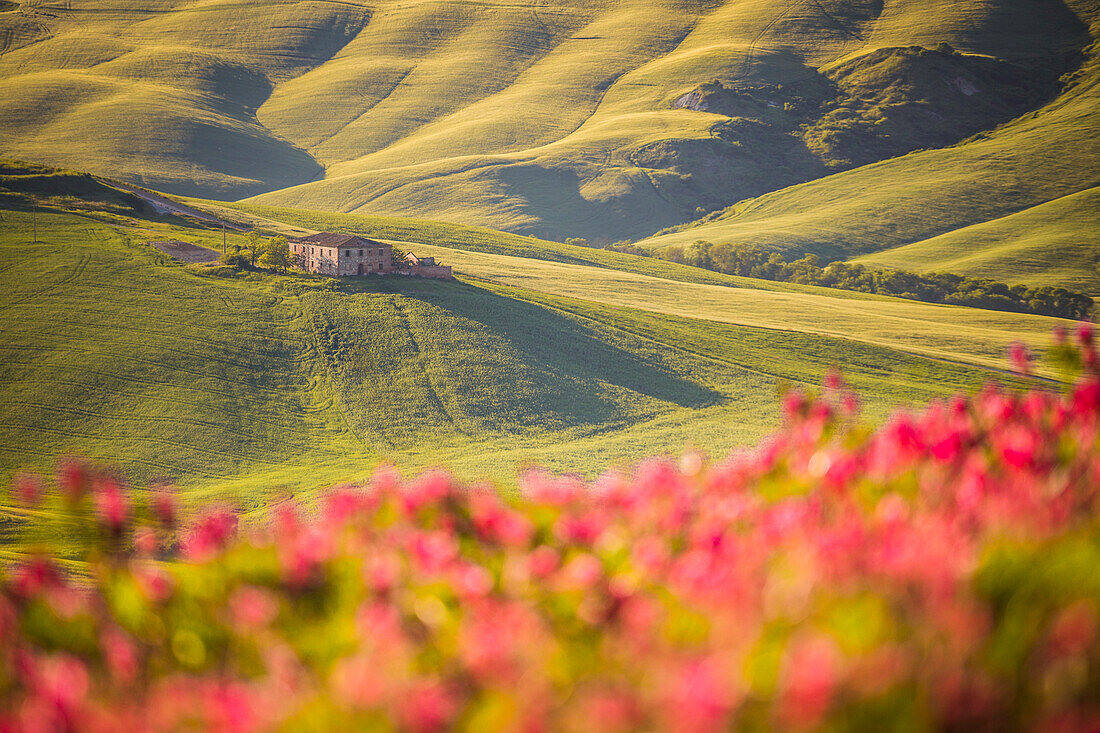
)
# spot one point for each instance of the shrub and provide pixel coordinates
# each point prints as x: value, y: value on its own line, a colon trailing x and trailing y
x: 939, y: 572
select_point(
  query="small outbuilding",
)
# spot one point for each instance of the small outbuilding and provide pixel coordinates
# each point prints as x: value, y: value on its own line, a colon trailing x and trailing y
x: 425, y: 267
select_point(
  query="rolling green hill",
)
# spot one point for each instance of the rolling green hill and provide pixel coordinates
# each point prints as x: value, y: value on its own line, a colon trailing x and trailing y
x: 1056, y: 243
x: 557, y: 117
x: 223, y: 381
x: 992, y: 193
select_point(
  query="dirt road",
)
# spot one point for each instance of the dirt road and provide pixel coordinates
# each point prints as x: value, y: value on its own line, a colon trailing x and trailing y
x: 163, y: 205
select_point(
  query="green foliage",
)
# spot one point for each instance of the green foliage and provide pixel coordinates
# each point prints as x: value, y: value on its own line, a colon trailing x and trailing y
x: 397, y: 257
x: 752, y: 261
x: 254, y: 248
x: 275, y: 254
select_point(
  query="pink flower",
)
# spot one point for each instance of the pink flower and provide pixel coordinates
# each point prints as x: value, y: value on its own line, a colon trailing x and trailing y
x: 154, y: 583
x: 163, y: 505
x: 809, y: 681
x: 698, y: 700
x: 497, y: 523
x: 427, y: 706
x: 794, y: 404
x: 1084, y: 333
x: 120, y: 654
x: 429, y: 489
x: 343, y: 504
x: 1073, y: 630
x: 433, y: 551
x: 542, y: 488
x: 28, y: 488
x: 1019, y: 357
x: 252, y: 607
x: 608, y: 711
x: 111, y: 502
x: 542, y: 561
x: 381, y: 572
x: 580, y: 529
x: 582, y: 571
x: 72, y: 478
x: 62, y: 681
x: 1086, y: 398
x: 473, y: 580
x: 34, y: 576
x: 209, y: 535
x: 145, y: 541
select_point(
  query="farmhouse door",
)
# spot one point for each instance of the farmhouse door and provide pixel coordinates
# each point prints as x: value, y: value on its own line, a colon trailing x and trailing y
x: 360, y: 272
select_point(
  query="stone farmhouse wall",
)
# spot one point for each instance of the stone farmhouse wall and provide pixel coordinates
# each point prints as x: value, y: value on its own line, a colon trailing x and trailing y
x: 436, y: 272
x: 341, y: 255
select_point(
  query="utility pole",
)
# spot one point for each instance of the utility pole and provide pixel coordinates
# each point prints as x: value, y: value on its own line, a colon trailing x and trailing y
x: 34, y: 219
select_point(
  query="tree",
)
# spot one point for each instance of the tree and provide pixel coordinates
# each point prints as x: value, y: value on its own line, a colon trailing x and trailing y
x: 234, y: 259
x: 255, y: 247
x: 276, y: 254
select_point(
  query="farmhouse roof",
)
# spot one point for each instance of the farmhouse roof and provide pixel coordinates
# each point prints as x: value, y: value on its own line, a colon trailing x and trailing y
x: 333, y: 239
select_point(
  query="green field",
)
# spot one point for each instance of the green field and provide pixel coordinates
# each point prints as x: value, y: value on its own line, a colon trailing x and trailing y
x: 1056, y: 243
x: 255, y: 385
x: 928, y: 136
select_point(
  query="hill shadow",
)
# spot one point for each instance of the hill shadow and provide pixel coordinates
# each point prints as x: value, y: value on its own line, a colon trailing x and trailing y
x: 548, y: 339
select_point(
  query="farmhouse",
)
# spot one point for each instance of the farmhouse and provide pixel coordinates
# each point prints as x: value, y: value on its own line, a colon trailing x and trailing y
x: 340, y: 255
x: 334, y: 254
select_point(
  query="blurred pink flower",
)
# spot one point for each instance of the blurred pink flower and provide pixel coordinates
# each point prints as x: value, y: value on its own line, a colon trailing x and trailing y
x: 809, y: 680
x: 111, y: 501
x: 28, y: 488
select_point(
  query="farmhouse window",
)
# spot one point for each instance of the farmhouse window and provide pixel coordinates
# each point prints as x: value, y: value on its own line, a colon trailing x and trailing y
x: 360, y: 253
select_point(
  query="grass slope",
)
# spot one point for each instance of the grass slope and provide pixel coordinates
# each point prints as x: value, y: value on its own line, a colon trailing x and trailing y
x: 554, y: 118
x: 1056, y: 243
x: 112, y: 350
x: 417, y: 232
x: 164, y: 96
x: 947, y: 332
x: 1037, y: 159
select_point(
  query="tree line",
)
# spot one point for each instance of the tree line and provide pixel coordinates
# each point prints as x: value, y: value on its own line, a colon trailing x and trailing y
x: 752, y: 261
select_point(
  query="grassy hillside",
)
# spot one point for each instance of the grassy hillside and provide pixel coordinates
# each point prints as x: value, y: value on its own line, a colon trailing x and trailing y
x: 164, y: 96
x: 960, y: 334
x: 111, y: 349
x: 416, y: 232
x: 565, y: 117
x: 1037, y: 159
x: 1056, y: 243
